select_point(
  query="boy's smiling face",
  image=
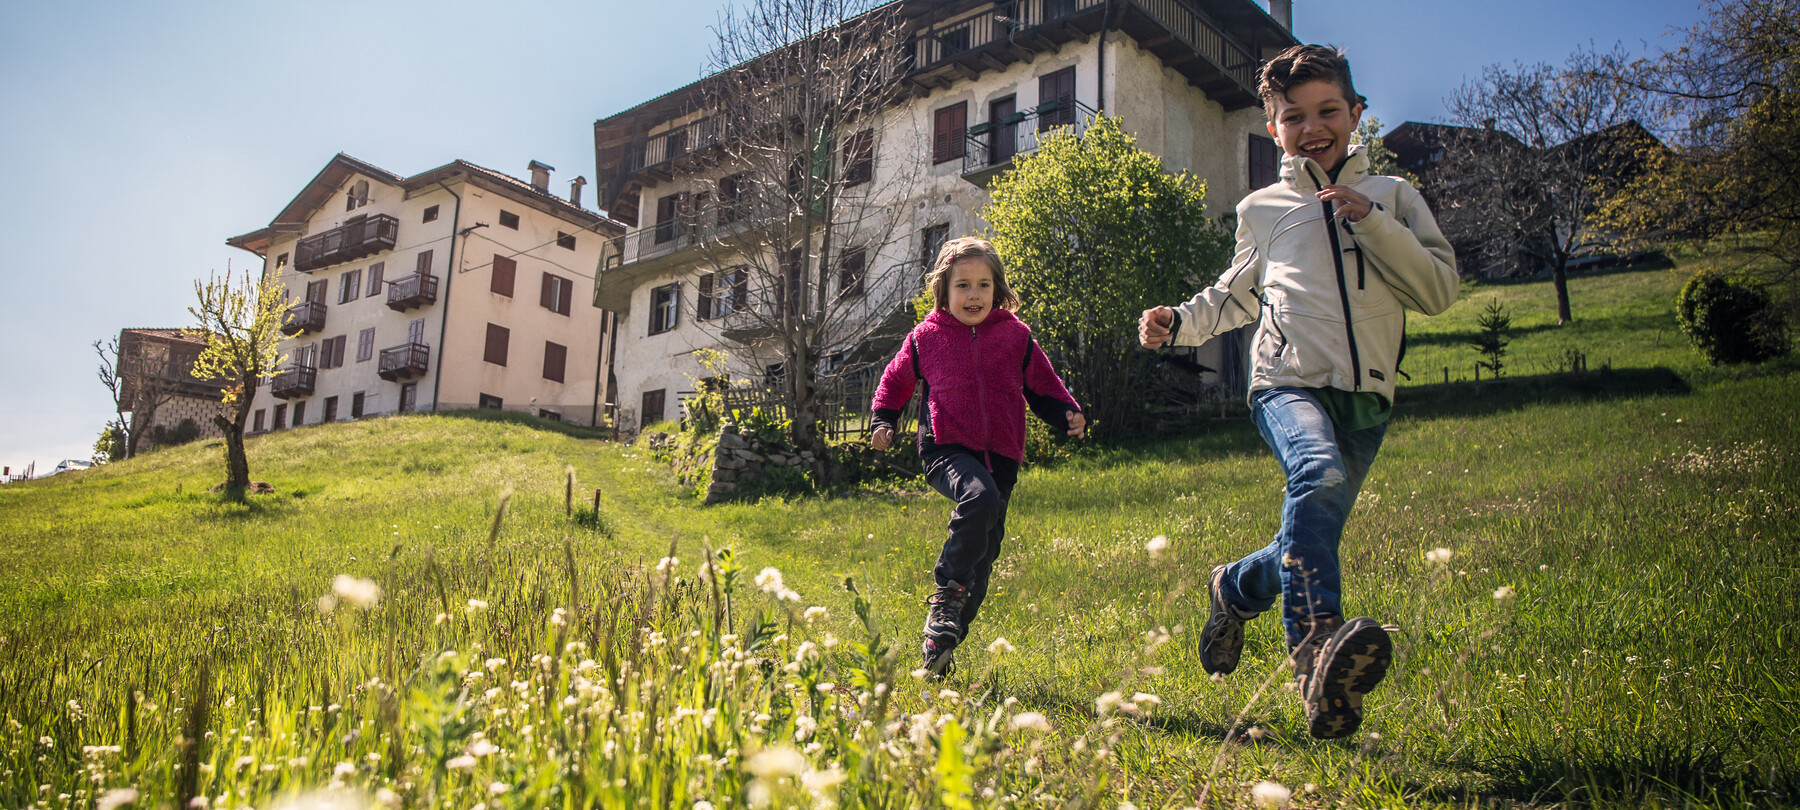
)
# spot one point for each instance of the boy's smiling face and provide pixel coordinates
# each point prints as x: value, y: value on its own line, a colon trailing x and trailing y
x: 1316, y: 121
x: 971, y: 291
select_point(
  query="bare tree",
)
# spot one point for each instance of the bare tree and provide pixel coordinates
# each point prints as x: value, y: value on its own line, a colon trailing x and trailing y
x: 1522, y: 179
x: 241, y: 323
x: 138, y: 376
x: 797, y: 227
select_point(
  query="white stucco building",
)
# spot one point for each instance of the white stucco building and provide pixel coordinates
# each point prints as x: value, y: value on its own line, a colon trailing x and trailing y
x: 984, y: 79
x: 459, y: 287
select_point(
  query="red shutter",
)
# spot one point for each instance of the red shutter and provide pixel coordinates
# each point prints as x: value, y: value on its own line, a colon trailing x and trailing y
x: 504, y: 271
x: 555, y: 354
x: 495, y: 351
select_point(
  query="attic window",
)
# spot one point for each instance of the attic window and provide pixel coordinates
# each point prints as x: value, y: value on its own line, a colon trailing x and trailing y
x: 565, y: 240
x: 431, y: 214
x: 359, y: 195
x: 509, y: 219
x: 281, y: 261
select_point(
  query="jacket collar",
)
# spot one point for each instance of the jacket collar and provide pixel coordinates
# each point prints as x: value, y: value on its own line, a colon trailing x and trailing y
x: 1305, y: 174
x: 995, y: 316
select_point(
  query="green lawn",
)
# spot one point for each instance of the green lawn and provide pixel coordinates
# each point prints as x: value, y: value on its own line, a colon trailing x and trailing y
x: 1641, y: 518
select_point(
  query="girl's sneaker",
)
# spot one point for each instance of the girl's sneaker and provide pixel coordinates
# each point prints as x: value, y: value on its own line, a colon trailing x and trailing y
x: 1222, y: 639
x: 939, y: 660
x: 1336, y: 669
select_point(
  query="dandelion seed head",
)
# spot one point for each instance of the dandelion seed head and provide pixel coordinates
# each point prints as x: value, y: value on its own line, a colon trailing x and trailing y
x: 1157, y: 546
x: 1029, y: 721
x: 1438, y: 555
x: 1503, y: 593
x: 1000, y: 646
x: 1270, y: 794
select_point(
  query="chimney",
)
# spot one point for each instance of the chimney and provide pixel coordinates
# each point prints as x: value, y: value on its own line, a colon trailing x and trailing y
x: 540, y: 176
x: 1283, y: 12
x: 575, y: 191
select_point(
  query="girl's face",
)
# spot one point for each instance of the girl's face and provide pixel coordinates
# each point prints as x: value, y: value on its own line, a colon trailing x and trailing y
x: 971, y: 291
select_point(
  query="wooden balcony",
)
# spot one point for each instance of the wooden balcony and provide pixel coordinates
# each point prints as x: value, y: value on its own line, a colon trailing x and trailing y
x: 404, y: 362
x: 364, y: 237
x: 294, y: 382
x: 307, y: 316
x: 992, y: 145
x: 416, y: 290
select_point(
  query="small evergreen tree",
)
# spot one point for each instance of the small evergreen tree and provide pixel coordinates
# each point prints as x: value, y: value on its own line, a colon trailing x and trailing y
x: 1496, y: 329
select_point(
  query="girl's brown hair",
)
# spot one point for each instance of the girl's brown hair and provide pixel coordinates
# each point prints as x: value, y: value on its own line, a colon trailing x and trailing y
x: 969, y: 247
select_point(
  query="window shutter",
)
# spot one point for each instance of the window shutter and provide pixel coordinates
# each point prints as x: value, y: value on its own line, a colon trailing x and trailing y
x: 365, y: 344
x: 703, y: 309
x: 424, y: 268
x: 375, y: 277
x: 504, y: 271
x: 555, y: 354
x: 544, y: 291
x: 415, y: 331
x: 566, y: 291
x: 495, y: 351
x: 740, y: 289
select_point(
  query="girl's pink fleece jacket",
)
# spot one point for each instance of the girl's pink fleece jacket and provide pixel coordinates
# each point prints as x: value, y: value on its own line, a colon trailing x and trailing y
x: 978, y: 383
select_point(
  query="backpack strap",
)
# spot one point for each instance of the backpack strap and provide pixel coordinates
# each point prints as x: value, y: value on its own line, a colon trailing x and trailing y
x: 924, y: 421
x: 1030, y: 346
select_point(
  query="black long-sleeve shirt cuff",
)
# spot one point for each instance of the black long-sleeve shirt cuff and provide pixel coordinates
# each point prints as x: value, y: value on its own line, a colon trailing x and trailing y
x: 886, y: 418
x: 1053, y: 411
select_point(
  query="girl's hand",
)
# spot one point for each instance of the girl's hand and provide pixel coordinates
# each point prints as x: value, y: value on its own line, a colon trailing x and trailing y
x: 1350, y: 203
x: 883, y: 437
x: 1077, y: 425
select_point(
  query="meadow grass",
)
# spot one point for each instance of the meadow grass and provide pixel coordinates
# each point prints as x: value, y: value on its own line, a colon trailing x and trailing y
x: 1616, y: 622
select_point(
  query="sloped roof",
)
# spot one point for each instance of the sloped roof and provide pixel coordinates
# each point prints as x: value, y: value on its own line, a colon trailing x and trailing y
x: 166, y: 334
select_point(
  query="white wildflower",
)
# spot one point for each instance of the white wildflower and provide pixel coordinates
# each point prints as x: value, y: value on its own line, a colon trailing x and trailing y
x: 776, y: 762
x: 1270, y: 794
x: 461, y: 763
x: 1029, y: 721
x: 361, y: 593
x: 476, y: 604
x: 769, y: 580
x: 1000, y: 646
x: 1503, y: 593
x: 1438, y: 555
x: 114, y: 799
x: 667, y: 563
x: 816, y: 612
x: 1157, y: 546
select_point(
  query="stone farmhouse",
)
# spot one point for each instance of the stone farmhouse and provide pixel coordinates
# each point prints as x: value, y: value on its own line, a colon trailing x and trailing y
x: 157, y: 386
x: 979, y: 84
x: 459, y: 287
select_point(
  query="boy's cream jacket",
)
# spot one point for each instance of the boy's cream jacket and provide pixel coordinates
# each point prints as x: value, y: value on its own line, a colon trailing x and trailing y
x: 1284, y: 273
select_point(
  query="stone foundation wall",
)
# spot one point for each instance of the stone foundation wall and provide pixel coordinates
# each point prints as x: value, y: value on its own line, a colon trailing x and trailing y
x: 729, y: 466
x: 171, y: 413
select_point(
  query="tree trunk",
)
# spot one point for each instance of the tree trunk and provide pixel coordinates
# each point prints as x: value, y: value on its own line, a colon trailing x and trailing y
x: 237, y: 463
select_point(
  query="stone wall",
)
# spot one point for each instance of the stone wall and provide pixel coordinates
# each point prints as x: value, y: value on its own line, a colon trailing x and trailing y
x: 731, y: 465
x: 171, y: 413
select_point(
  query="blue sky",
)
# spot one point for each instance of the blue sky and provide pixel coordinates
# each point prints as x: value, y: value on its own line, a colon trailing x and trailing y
x: 139, y: 136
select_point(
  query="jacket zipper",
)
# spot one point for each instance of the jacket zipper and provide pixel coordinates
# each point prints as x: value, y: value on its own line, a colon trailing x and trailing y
x: 1337, y: 260
x: 987, y: 431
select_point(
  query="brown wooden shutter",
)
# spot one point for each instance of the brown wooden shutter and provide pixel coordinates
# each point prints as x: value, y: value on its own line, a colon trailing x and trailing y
x: 555, y: 355
x: 504, y: 271
x: 740, y: 289
x: 947, y: 132
x: 544, y: 291
x: 424, y: 268
x: 703, y: 309
x: 568, y: 294
x: 375, y: 271
x: 495, y: 351
x: 1060, y: 88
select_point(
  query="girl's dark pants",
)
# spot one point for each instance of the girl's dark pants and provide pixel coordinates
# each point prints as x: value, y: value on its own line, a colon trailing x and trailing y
x: 978, y: 522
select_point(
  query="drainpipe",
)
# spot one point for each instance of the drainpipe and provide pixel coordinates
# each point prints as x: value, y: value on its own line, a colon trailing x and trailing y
x: 1100, y: 83
x: 437, y: 376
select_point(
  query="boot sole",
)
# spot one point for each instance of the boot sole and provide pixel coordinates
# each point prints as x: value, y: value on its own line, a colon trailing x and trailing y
x: 1350, y: 666
x: 942, y: 664
x: 1220, y: 656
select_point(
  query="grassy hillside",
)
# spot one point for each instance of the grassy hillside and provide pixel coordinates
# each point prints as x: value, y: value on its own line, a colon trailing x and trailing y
x: 1616, y: 624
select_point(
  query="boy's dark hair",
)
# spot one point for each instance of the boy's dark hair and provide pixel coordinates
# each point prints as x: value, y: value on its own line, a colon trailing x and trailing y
x: 1301, y: 64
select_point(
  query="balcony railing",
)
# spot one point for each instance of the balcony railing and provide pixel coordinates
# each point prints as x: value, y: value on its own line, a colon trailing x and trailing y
x: 416, y: 290
x: 365, y: 237
x: 714, y: 219
x: 993, y: 144
x: 296, y: 381
x: 404, y: 362
x: 939, y: 44
x: 306, y: 316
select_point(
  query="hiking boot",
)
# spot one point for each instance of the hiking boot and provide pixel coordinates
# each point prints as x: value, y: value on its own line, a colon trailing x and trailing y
x: 943, y: 622
x: 1337, y: 664
x: 1222, y: 639
x: 940, y: 660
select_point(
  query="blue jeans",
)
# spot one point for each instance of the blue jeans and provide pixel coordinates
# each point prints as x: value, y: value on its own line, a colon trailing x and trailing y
x: 1325, y: 468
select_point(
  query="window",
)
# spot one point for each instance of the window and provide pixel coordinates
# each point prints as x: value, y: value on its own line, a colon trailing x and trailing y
x: 722, y: 293
x: 307, y: 356
x: 409, y: 397
x: 281, y: 261
x: 424, y: 265
x: 668, y: 214
x: 1056, y: 99
x: 415, y: 331
x: 280, y: 416
x: 430, y: 214
x: 851, y: 268
x: 256, y: 421
x: 331, y: 354
x: 665, y: 308
x: 1003, y: 131
x: 1265, y: 162
x: 491, y: 402
x: 502, y: 280
x: 565, y: 241
x: 299, y: 413
x: 947, y: 132
x: 375, y: 271
x: 356, y: 405
x: 365, y: 345
x: 555, y: 292
x: 330, y: 414
x: 931, y: 240
x: 349, y: 286
x: 731, y: 193
x: 315, y: 291
x: 859, y: 158
x: 653, y: 407
x: 509, y: 219
x: 550, y: 415
x: 555, y: 356
x: 497, y: 338
x: 357, y: 198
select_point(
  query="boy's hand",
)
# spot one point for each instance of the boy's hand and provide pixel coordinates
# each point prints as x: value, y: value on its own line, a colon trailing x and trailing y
x: 883, y: 437
x: 1153, y: 327
x: 1077, y: 425
x: 1350, y: 203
